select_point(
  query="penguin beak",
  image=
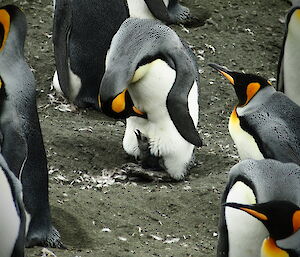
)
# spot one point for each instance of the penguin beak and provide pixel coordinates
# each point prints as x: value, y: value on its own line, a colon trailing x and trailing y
x: 114, y: 98
x: 224, y: 71
x: 4, y: 27
x: 250, y: 209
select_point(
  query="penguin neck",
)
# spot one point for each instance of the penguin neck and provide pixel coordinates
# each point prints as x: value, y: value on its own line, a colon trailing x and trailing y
x: 260, y: 98
x: 270, y: 249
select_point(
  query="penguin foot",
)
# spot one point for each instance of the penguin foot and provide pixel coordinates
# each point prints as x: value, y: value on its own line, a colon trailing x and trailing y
x: 51, y: 239
x: 146, y: 158
x: 179, y: 13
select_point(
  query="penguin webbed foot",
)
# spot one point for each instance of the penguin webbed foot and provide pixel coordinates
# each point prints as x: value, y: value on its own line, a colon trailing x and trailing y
x: 148, y: 160
x: 51, y: 239
x: 179, y: 14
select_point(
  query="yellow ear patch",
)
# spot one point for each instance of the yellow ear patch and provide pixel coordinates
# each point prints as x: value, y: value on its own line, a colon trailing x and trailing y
x: 296, y: 220
x: 5, y: 21
x: 118, y: 104
x: 256, y: 214
x: 226, y: 75
x: 270, y: 249
x: 252, y: 89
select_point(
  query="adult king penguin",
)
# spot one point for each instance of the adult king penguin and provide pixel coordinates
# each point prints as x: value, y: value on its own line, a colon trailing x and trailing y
x: 12, y: 215
x: 260, y: 213
x: 82, y: 34
x: 289, y: 64
x: 152, y: 75
x: 265, y: 123
x: 21, y: 140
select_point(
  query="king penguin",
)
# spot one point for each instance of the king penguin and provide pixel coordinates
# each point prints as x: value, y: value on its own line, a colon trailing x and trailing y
x: 289, y: 61
x: 260, y: 213
x: 12, y: 216
x: 265, y: 123
x: 21, y: 139
x: 82, y: 33
x: 151, y: 79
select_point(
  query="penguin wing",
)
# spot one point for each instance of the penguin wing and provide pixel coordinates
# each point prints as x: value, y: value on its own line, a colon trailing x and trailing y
x: 158, y: 9
x: 61, y: 31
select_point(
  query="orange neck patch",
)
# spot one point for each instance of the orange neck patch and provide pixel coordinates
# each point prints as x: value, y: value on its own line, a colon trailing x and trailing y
x: 256, y: 214
x: 296, y: 220
x: 297, y: 13
x: 270, y: 249
x: 252, y: 89
x: 234, y: 117
x: 5, y: 21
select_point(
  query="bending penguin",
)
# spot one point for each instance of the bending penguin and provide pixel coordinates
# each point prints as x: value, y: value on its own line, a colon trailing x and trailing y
x: 21, y: 139
x: 289, y: 64
x: 12, y: 216
x: 82, y: 33
x: 260, y: 213
x: 151, y: 79
x: 264, y: 123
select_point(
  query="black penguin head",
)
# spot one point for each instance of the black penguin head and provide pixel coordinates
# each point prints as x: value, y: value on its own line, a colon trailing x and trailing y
x: 245, y: 85
x: 12, y: 16
x: 281, y: 218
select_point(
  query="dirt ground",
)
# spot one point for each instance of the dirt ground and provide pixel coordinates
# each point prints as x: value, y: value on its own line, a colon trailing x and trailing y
x: 96, y: 208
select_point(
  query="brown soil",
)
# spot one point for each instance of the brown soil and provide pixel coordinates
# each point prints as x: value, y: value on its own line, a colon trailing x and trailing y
x: 148, y: 218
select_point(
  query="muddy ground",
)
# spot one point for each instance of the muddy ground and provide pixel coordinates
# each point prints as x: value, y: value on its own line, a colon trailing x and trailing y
x: 117, y: 216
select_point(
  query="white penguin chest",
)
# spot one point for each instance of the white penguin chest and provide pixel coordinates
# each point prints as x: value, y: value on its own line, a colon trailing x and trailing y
x: 245, y: 233
x: 245, y: 143
x: 9, y: 219
x: 139, y: 9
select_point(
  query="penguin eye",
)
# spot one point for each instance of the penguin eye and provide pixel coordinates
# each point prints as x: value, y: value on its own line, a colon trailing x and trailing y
x: 4, y: 27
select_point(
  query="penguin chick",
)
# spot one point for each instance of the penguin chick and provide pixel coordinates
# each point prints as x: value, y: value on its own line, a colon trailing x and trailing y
x: 151, y: 79
x: 289, y: 61
x: 264, y: 123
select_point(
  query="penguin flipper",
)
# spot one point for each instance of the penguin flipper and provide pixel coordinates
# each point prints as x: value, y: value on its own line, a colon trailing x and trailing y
x: 177, y: 100
x: 158, y: 10
x: 61, y: 30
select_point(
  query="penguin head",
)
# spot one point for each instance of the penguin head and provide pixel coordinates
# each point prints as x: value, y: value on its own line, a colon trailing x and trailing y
x: 12, y: 24
x: 281, y: 218
x: 114, y: 98
x: 245, y: 85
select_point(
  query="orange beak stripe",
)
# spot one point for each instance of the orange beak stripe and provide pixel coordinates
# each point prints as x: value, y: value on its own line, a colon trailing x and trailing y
x: 136, y: 110
x: 231, y: 80
x: 5, y: 21
x: 256, y: 214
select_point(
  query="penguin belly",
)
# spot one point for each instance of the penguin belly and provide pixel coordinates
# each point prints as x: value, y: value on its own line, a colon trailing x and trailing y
x: 291, y: 62
x: 245, y: 143
x: 139, y: 9
x: 9, y: 218
x: 149, y: 95
x: 245, y: 233
x: 75, y: 85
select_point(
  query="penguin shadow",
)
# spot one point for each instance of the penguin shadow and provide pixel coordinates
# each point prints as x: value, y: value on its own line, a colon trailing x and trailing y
x: 72, y: 234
